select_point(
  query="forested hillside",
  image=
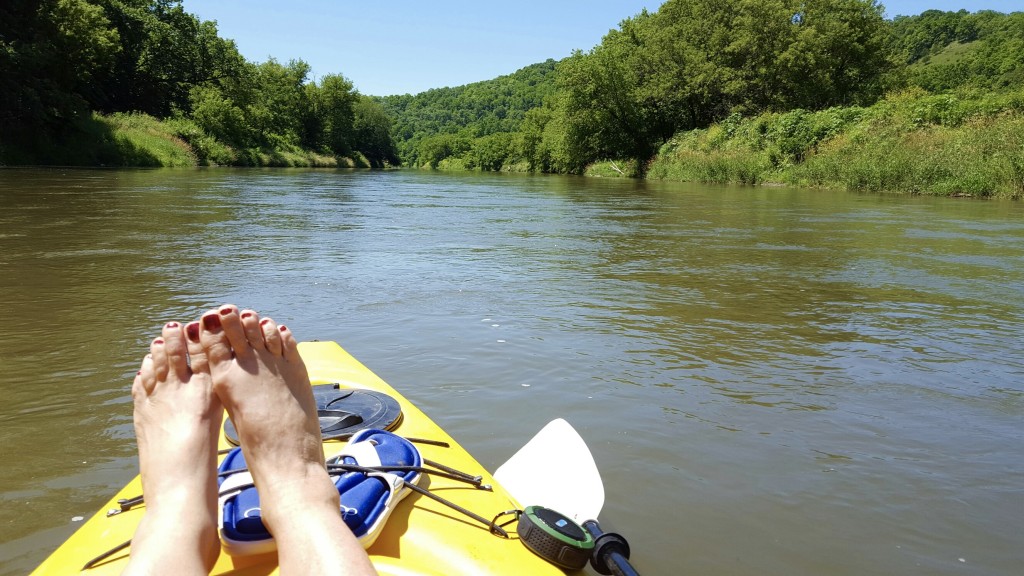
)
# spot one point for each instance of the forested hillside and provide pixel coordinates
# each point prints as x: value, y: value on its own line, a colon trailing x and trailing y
x: 75, y: 76
x: 951, y: 50
x: 795, y: 79
x: 434, y: 124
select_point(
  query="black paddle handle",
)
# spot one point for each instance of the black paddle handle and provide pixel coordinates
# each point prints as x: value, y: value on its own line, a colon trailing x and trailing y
x: 611, y: 552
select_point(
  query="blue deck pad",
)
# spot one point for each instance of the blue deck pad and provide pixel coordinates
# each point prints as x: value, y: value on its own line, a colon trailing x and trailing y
x: 366, y: 500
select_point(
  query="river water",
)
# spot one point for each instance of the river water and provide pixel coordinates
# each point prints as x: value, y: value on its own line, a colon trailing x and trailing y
x: 773, y: 381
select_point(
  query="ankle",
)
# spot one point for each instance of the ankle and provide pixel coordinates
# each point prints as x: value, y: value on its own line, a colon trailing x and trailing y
x: 195, y: 550
x: 281, y: 502
x: 172, y: 499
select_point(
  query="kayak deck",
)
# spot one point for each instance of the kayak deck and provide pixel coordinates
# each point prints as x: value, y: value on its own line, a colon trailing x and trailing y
x: 422, y: 536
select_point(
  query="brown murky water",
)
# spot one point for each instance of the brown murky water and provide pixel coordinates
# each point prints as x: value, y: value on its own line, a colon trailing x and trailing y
x: 773, y: 381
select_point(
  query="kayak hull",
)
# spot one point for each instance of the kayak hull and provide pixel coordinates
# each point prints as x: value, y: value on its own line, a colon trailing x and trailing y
x: 422, y: 537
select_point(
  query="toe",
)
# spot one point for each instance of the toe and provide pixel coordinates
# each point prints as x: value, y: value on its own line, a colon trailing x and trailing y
x: 176, y: 351
x: 251, y: 327
x: 289, y: 346
x: 232, y: 324
x: 145, y: 381
x: 214, y: 342
x: 158, y: 352
x: 196, y: 354
x: 138, y: 390
x: 271, y: 336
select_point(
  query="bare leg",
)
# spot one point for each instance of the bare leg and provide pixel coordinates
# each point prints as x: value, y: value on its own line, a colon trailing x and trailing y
x: 177, y: 417
x: 262, y: 381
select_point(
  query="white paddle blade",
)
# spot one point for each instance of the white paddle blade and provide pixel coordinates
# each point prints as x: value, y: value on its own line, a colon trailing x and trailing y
x: 555, y: 470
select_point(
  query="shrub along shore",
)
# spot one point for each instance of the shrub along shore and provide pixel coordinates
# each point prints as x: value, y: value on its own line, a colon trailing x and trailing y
x: 910, y: 143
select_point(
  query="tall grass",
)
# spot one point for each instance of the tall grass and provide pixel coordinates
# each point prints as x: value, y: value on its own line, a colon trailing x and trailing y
x: 96, y: 140
x: 715, y: 166
x: 144, y: 141
x: 982, y: 157
x: 208, y: 150
x: 913, y: 142
x: 141, y: 140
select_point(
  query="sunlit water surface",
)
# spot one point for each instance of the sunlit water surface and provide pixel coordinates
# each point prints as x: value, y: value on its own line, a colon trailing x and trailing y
x: 772, y: 381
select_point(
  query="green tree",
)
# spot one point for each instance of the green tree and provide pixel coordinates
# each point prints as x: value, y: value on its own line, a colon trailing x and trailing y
x: 598, y: 105
x: 330, y: 115
x: 371, y: 131
x: 433, y: 149
x: 220, y: 116
x: 529, y: 140
x: 51, y: 52
x: 278, y: 114
x: 696, y: 61
x: 165, y: 52
x: 489, y: 153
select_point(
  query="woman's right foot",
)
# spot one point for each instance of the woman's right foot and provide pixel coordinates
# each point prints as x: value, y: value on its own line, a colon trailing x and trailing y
x: 177, y: 417
x: 262, y: 382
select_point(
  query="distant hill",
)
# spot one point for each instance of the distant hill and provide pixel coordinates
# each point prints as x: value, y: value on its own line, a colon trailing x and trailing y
x: 474, y: 110
x: 950, y: 50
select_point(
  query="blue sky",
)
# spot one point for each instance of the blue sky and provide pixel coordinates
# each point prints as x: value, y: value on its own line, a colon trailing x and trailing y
x: 408, y: 46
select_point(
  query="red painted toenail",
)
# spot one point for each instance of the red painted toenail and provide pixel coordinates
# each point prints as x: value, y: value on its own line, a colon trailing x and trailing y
x: 211, y: 322
x: 264, y: 321
x: 192, y: 331
x: 283, y: 328
x: 246, y: 314
x: 158, y: 341
x: 172, y: 324
x: 225, y: 311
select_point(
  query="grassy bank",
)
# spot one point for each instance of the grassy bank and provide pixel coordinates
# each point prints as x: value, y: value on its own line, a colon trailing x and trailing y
x: 912, y: 143
x: 142, y: 140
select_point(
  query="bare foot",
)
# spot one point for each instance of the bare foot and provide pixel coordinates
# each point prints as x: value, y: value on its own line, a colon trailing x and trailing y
x: 177, y: 419
x: 262, y: 381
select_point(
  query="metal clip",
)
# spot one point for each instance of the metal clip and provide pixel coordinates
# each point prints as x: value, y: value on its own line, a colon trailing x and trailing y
x: 126, y: 505
x: 497, y: 529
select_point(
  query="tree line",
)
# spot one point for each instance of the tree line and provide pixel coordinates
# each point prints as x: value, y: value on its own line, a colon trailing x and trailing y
x: 690, y: 65
x: 694, y: 63
x: 62, y: 60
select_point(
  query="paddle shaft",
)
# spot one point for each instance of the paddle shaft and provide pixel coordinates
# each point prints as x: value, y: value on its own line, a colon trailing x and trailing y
x: 611, y: 551
x: 618, y: 565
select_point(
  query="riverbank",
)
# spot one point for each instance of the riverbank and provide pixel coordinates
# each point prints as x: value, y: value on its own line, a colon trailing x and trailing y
x: 140, y: 140
x: 910, y: 143
x: 913, y: 142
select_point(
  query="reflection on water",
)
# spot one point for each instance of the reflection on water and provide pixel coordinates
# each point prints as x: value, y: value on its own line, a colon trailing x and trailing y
x: 802, y: 382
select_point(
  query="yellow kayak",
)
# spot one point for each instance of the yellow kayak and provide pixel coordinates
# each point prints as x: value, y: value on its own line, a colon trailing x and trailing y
x: 421, y: 537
